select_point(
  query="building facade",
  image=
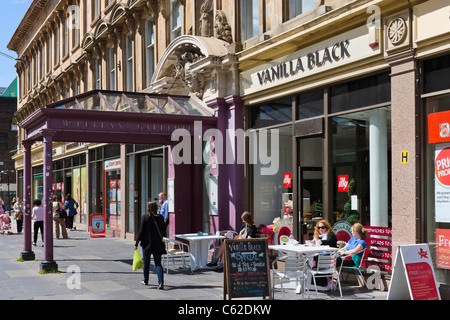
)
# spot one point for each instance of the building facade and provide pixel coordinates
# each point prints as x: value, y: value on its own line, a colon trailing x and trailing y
x: 338, y: 92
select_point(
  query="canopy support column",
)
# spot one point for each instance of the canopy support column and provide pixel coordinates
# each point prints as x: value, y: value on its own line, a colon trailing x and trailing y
x: 27, y: 254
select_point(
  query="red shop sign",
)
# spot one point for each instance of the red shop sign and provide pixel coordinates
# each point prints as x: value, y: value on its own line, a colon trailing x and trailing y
x: 343, y: 183
x: 443, y: 248
x: 439, y: 127
x: 287, y: 180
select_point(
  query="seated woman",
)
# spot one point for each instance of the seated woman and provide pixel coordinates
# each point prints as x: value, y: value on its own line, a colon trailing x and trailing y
x: 248, y: 231
x: 354, y: 247
x: 325, y: 234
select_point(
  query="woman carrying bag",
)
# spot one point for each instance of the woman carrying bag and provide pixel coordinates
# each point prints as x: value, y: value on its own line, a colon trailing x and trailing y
x: 150, y: 237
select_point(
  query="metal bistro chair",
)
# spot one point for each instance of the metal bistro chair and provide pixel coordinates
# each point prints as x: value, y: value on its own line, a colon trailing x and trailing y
x: 177, y: 251
x: 326, y: 267
x: 294, y: 269
x: 358, y: 268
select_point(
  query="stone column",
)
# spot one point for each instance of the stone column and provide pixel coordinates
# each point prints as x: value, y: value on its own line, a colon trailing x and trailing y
x: 405, y: 126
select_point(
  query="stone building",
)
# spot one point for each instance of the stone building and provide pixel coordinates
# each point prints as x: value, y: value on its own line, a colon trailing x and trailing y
x: 340, y: 92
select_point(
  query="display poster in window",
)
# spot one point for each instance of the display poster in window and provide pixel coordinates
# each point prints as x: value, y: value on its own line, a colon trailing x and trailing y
x: 442, y: 182
x: 443, y: 248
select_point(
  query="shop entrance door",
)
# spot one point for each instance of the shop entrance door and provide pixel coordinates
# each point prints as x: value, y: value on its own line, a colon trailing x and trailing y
x: 152, y: 173
x: 112, y: 193
x: 310, y: 191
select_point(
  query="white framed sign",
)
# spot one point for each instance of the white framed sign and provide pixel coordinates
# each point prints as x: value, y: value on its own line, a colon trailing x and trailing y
x: 442, y: 182
x: 413, y: 277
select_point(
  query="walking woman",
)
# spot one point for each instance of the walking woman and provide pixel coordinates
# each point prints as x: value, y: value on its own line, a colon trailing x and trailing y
x: 150, y: 237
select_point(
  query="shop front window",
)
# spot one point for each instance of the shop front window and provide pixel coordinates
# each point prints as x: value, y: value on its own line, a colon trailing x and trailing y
x: 270, y: 197
x: 437, y: 190
x: 361, y: 150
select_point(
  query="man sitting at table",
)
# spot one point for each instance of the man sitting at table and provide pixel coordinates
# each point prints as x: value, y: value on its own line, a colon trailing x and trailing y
x: 248, y: 231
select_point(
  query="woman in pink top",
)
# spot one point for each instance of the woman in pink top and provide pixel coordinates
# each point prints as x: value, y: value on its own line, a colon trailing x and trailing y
x: 38, y: 218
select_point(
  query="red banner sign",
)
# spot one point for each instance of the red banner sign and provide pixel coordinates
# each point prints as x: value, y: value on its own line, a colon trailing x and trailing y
x: 439, y: 127
x: 443, y: 248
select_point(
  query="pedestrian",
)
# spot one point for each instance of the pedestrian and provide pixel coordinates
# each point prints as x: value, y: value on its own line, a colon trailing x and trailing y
x: 13, y: 202
x: 18, y: 214
x: 71, y: 207
x: 248, y: 231
x: 38, y: 218
x: 59, y: 222
x: 151, y: 240
x: 164, y: 210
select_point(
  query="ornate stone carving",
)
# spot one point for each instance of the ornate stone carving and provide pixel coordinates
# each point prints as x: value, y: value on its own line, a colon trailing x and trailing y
x: 182, y: 70
x: 222, y: 29
x: 397, y: 31
x: 206, y: 18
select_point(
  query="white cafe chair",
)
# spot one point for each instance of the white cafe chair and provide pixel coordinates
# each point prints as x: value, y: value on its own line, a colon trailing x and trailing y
x: 326, y: 268
x: 177, y: 251
x: 294, y: 268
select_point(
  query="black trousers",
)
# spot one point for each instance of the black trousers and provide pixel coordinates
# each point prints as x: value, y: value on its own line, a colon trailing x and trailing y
x: 36, y: 226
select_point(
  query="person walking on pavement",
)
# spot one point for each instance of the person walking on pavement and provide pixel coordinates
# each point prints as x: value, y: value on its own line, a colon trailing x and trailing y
x: 38, y: 218
x: 164, y: 210
x: 57, y: 207
x: 151, y: 240
x: 71, y: 207
x: 18, y: 213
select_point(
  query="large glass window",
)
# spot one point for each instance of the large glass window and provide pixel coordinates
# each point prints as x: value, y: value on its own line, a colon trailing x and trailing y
x: 129, y: 57
x: 249, y: 18
x: 271, y: 113
x: 310, y: 104
x: 361, y: 161
x: 297, y: 7
x: 149, y: 51
x: 437, y: 204
x: 360, y: 93
x: 175, y: 19
x: 268, y: 190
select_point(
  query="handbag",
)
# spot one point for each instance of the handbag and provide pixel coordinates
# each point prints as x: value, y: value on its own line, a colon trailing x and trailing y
x: 62, y: 213
x: 137, y: 261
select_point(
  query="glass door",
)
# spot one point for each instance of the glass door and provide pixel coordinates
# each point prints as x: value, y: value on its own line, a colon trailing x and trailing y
x: 310, y: 191
x: 112, y: 198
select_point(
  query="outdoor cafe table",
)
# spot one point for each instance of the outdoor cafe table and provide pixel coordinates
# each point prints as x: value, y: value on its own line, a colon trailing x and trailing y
x: 198, y: 247
x: 308, y: 251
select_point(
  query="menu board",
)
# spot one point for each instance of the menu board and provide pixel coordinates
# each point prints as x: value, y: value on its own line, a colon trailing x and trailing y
x: 246, y: 268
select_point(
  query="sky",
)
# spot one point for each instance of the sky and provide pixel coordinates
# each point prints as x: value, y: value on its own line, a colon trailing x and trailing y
x: 11, y: 14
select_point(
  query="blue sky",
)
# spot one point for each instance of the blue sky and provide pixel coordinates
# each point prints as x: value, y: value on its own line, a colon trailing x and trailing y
x: 11, y: 13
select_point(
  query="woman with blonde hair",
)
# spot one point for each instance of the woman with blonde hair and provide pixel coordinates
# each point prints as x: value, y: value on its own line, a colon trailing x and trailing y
x: 355, y: 246
x: 324, y: 232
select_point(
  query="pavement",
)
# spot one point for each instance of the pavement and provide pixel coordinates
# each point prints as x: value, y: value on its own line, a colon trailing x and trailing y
x: 101, y: 269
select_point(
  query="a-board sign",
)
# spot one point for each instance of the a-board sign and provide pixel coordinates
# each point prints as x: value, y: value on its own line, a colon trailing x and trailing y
x: 413, y: 277
x: 98, y: 225
x: 246, y: 269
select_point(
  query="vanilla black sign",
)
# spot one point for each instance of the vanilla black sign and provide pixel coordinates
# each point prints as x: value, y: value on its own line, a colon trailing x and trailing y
x: 336, y: 52
x: 312, y: 60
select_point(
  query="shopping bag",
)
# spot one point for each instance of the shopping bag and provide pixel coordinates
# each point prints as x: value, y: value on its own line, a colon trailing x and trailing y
x: 137, y: 261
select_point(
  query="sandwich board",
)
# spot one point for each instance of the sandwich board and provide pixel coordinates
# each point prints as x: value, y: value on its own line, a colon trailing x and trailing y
x: 413, y: 277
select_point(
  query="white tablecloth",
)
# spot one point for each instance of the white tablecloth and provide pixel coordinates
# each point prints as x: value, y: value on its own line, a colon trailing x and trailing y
x: 198, y: 247
x: 306, y: 250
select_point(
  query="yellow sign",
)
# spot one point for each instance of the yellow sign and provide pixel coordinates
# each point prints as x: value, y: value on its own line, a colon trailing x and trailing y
x: 404, y: 156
